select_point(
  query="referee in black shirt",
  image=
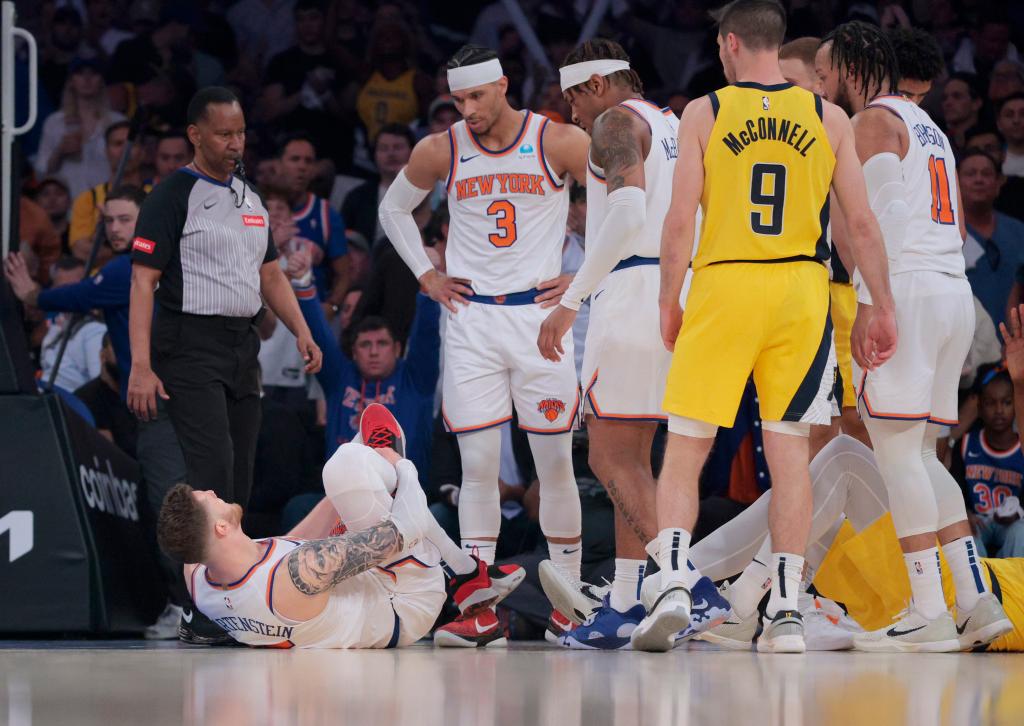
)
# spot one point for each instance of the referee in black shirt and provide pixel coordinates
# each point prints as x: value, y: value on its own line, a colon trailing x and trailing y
x: 203, y: 253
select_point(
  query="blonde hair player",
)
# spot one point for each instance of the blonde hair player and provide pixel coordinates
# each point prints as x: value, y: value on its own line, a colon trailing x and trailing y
x: 506, y: 172
x: 759, y: 157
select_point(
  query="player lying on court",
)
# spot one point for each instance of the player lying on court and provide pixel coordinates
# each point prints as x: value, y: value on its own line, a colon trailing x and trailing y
x: 372, y: 587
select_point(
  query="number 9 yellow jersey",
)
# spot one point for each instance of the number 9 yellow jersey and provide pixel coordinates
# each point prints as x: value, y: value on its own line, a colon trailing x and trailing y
x: 767, y: 172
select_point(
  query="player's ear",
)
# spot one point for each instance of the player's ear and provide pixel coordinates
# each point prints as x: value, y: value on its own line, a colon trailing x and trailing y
x: 220, y: 528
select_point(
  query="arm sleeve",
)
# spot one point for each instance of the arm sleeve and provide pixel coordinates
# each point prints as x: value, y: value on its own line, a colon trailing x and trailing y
x: 396, y: 218
x: 335, y: 365
x: 337, y: 244
x: 627, y: 213
x: 424, y: 359
x: 161, y: 221
x: 110, y: 287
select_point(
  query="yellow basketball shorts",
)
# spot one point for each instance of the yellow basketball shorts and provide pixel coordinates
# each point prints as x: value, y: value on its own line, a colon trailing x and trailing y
x: 844, y: 312
x: 770, y: 320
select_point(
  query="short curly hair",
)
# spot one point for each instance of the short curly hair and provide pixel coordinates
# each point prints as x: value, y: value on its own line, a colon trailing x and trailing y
x: 181, y: 527
x: 918, y: 54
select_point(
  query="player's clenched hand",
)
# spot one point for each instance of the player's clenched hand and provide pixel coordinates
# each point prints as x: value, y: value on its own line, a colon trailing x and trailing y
x: 553, y: 290
x: 1013, y: 340
x: 671, y: 322
x: 552, y: 330
x: 882, y: 336
x: 445, y: 290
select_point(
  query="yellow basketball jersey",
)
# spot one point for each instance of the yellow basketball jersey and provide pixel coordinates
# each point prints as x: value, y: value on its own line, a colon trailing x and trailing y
x: 767, y: 172
x: 381, y: 102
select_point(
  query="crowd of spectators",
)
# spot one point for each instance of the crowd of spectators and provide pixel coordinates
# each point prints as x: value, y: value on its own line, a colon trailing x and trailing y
x: 336, y: 93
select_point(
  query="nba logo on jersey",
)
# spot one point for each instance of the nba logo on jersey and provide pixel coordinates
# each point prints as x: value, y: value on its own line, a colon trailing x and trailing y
x: 552, y: 408
x: 227, y: 602
x: 918, y: 568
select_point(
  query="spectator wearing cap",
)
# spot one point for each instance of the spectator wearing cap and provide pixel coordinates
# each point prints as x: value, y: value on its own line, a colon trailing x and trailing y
x: 961, y: 106
x: 441, y: 115
x: 72, y: 144
x: 52, y: 195
x: 62, y: 44
x: 87, y: 210
x: 1010, y: 121
x: 315, y: 221
x: 391, y: 153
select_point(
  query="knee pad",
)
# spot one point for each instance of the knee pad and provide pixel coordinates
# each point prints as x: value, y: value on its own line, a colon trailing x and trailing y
x: 354, y: 468
x: 560, y: 513
x: 479, y: 502
x: 949, y: 499
x: 691, y: 427
x: 789, y: 428
x: 898, y: 447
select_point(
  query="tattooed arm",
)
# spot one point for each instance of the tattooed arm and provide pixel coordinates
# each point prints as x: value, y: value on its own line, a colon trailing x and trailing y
x: 315, y: 567
x: 619, y: 143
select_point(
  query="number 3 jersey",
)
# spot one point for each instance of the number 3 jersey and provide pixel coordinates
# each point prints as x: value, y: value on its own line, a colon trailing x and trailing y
x: 508, y: 211
x: 932, y: 240
x: 767, y: 173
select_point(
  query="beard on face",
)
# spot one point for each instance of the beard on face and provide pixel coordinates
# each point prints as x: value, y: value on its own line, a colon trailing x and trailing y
x: 842, y: 98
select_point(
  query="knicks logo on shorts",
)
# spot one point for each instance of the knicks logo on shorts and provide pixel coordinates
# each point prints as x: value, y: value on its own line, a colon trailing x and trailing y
x: 552, y: 408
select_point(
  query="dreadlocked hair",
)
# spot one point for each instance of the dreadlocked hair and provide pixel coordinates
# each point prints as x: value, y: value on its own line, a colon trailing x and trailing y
x: 604, y: 49
x: 917, y: 53
x: 864, y: 51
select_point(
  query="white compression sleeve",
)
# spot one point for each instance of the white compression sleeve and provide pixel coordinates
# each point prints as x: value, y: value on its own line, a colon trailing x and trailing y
x: 626, y: 216
x: 887, y: 193
x: 395, y: 215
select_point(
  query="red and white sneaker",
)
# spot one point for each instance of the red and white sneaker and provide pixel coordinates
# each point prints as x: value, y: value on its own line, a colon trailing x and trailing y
x: 484, y: 587
x: 379, y: 429
x: 482, y: 630
x: 558, y: 625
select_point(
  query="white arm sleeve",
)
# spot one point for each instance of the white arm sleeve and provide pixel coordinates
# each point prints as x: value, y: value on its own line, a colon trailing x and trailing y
x: 627, y: 214
x: 395, y: 215
x: 887, y: 194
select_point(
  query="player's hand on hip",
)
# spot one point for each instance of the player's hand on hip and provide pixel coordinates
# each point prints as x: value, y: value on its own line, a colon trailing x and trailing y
x: 1013, y: 342
x: 310, y: 352
x: 671, y: 322
x: 446, y: 290
x: 143, y: 388
x: 553, y: 290
x: 552, y: 330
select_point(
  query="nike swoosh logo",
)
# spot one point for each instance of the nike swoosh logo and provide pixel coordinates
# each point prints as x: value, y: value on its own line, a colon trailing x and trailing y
x: 207, y: 206
x: 601, y: 292
x: 464, y: 159
x: 479, y: 629
x: 893, y: 633
x: 971, y: 455
x: 570, y: 552
x: 699, y: 605
x: 961, y: 628
x: 186, y: 615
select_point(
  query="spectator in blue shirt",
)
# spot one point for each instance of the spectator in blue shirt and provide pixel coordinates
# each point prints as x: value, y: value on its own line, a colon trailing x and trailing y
x: 994, y: 250
x: 316, y: 221
x: 376, y: 371
x: 108, y: 290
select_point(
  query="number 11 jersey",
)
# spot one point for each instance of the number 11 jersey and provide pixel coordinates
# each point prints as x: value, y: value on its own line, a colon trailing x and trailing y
x: 767, y: 173
x: 508, y: 211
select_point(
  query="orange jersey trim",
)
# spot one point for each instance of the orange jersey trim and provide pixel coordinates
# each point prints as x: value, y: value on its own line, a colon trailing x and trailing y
x: 508, y: 149
x: 618, y: 416
x: 453, y: 165
x: 469, y: 429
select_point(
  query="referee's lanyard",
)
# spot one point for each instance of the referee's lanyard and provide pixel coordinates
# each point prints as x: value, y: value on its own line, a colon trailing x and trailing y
x: 362, y: 395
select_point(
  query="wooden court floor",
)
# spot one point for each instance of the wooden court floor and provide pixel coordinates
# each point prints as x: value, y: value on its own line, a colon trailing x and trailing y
x: 132, y: 682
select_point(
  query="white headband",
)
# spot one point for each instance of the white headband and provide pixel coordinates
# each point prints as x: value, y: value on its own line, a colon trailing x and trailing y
x: 475, y: 75
x: 579, y: 73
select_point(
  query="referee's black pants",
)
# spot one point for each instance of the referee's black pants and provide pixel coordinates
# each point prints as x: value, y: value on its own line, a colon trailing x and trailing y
x: 209, y: 368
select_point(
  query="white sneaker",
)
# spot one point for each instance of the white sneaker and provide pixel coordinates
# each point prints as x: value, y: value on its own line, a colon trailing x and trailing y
x: 826, y: 624
x: 671, y: 613
x: 911, y: 633
x: 166, y: 626
x: 735, y: 633
x: 783, y: 633
x: 575, y: 599
x: 986, y: 622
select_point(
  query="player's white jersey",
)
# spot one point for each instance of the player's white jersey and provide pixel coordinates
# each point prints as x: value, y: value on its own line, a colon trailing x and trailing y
x: 508, y: 211
x: 932, y: 240
x: 361, y: 612
x: 658, y: 169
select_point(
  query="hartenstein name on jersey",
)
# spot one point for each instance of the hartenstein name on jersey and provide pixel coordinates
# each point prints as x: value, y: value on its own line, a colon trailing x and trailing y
x: 481, y: 186
x: 929, y: 135
x: 251, y: 625
x: 768, y: 128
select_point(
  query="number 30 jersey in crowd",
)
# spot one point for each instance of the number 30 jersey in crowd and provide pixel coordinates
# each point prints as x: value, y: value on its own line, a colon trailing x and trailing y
x: 990, y: 475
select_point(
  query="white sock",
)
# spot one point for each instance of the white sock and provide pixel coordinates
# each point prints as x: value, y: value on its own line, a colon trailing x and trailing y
x: 787, y: 571
x: 567, y: 558
x: 926, y: 582
x: 962, y: 558
x: 484, y: 549
x: 629, y: 575
x: 673, y: 549
x: 746, y: 593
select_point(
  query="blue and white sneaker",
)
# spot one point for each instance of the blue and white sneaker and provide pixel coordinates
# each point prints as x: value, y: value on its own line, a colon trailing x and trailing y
x: 708, y: 610
x: 605, y: 629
